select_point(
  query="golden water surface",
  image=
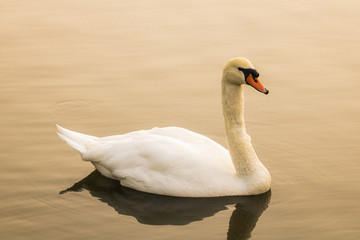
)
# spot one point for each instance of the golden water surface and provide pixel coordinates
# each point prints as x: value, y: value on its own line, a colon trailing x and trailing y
x: 110, y: 67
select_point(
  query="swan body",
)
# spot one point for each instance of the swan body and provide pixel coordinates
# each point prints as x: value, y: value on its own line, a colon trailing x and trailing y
x: 177, y: 162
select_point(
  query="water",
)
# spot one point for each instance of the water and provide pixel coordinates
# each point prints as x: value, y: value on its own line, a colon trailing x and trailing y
x: 111, y: 67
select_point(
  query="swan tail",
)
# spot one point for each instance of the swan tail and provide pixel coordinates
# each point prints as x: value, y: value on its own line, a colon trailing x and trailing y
x: 76, y: 140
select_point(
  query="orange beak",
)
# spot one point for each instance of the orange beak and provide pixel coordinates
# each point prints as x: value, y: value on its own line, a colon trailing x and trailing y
x: 255, y: 83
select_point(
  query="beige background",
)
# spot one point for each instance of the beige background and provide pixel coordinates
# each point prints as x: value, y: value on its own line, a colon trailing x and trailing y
x: 109, y: 67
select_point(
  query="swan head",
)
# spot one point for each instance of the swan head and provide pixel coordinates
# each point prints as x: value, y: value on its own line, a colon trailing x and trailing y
x: 241, y: 71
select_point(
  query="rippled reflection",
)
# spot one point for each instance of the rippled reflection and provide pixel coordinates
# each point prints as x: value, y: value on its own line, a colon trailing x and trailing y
x: 164, y: 210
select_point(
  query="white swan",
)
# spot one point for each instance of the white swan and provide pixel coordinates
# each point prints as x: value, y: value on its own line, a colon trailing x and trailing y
x: 177, y: 162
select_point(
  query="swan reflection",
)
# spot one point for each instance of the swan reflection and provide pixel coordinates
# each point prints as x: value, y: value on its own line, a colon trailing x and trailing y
x: 164, y: 210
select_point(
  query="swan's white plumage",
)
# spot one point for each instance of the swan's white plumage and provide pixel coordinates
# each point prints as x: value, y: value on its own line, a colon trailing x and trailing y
x: 178, y: 162
x: 169, y: 161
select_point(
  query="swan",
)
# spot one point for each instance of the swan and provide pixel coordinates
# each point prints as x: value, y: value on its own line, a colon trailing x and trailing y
x: 177, y: 162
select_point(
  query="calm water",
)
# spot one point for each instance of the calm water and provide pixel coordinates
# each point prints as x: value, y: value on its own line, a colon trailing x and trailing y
x: 109, y: 67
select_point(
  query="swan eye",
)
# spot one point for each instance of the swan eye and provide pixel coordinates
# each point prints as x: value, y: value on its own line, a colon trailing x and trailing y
x: 248, y: 71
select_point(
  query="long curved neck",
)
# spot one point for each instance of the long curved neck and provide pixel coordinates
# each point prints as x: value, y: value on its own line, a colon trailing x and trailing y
x: 242, y: 153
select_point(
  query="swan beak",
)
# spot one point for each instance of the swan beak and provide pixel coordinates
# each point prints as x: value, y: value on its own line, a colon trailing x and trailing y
x: 255, y: 83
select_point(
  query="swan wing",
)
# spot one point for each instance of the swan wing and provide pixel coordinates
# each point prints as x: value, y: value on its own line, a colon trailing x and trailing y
x: 170, y: 161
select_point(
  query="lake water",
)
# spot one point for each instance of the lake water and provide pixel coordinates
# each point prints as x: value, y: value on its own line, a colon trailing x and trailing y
x: 110, y: 67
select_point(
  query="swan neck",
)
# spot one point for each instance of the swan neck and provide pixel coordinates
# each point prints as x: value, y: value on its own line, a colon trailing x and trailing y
x: 233, y: 106
x: 242, y: 153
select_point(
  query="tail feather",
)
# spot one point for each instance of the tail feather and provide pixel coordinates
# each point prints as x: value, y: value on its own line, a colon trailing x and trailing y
x: 75, y: 140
